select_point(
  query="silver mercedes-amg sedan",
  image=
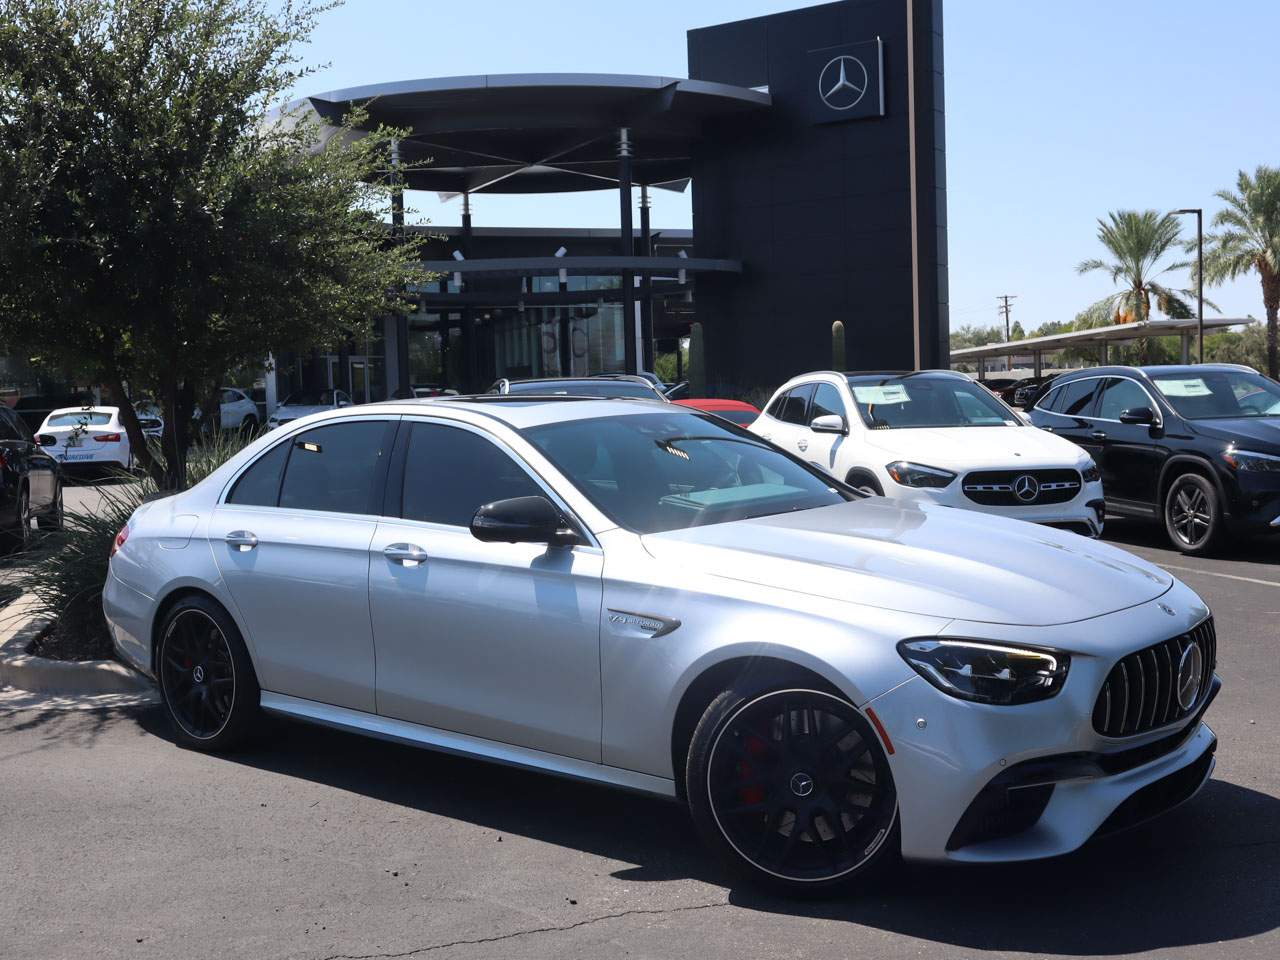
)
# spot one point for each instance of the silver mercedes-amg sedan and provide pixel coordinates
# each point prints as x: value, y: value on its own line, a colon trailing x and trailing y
x: 650, y: 597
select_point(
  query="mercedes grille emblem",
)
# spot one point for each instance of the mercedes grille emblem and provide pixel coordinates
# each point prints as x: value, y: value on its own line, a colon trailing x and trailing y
x: 843, y: 82
x: 1190, y: 672
x: 1026, y: 488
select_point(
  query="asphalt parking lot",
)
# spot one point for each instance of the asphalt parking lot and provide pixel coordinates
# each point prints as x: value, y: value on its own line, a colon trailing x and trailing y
x: 318, y: 844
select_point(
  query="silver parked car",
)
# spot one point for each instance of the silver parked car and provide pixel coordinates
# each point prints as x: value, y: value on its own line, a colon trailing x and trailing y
x: 648, y: 596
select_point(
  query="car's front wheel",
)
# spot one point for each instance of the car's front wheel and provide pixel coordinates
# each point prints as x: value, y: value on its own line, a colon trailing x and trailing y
x: 207, y: 683
x: 1192, y: 513
x: 792, y: 788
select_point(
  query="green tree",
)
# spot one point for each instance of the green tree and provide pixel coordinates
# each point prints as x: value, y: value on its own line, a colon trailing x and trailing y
x: 162, y: 219
x: 1138, y: 243
x: 1248, y: 239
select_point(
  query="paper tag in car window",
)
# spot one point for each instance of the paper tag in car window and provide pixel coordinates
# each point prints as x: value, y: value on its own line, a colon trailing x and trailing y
x: 1190, y: 387
x: 888, y: 393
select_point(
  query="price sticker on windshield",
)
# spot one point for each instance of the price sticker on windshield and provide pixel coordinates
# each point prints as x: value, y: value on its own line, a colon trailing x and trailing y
x: 1193, y: 387
x: 888, y: 393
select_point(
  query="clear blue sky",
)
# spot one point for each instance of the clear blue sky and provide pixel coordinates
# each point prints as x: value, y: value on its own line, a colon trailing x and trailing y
x: 1056, y: 113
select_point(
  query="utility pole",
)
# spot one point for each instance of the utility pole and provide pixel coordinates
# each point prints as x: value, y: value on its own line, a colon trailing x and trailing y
x: 1199, y: 212
x: 1006, y: 308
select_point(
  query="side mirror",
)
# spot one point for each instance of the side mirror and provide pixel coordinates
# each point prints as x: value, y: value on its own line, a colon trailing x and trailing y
x: 46, y: 440
x: 829, y: 423
x: 522, y: 520
x: 1138, y: 415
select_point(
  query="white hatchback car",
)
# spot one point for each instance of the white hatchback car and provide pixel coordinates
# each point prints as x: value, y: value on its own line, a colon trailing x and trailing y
x: 934, y: 436
x: 86, y: 435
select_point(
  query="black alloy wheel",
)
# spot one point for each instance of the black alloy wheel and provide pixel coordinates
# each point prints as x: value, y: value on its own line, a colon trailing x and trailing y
x: 1192, y: 514
x: 206, y: 678
x: 794, y: 789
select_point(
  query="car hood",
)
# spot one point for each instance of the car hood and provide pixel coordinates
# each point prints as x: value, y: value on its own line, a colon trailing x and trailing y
x: 1260, y: 434
x: 921, y: 558
x: 965, y: 448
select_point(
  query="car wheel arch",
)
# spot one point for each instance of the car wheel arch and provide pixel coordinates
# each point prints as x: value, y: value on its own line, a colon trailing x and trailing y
x: 720, y: 676
x: 1183, y: 463
x: 863, y: 476
x: 180, y: 592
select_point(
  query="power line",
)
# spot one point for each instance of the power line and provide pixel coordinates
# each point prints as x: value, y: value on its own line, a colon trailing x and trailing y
x: 1006, y: 308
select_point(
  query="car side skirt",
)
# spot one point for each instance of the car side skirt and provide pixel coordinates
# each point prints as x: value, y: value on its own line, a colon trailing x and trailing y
x: 446, y: 741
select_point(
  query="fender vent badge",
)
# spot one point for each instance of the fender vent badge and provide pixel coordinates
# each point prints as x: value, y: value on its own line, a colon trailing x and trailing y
x: 626, y: 621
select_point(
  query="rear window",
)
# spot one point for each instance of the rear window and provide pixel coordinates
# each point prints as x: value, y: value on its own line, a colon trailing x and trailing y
x: 796, y: 404
x: 86, y: 418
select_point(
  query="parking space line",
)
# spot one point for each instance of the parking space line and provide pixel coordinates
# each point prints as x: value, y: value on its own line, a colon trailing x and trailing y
x: 1224, y: 576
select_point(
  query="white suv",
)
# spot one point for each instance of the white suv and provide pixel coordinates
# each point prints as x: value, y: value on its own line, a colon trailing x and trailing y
x: 934, y: 436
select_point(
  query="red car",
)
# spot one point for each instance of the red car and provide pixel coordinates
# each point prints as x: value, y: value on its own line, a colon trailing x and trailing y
x: 735, y: 411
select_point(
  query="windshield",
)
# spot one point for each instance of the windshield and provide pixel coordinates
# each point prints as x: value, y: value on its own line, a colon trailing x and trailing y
x: 87, y: 418
x: 893, y: 403
x: 1220, y: 393
x: 585, y: 388
x: 309, y: 398
x: 666, y: 471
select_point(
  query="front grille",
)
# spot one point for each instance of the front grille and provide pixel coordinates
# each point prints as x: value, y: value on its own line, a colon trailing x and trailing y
x: 1021, y: 488
x: 1141, y: 691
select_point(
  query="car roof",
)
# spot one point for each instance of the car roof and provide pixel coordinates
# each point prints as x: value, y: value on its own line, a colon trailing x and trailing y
x: 518, y: 411
x: 715, y: 403
x: 82, y: 409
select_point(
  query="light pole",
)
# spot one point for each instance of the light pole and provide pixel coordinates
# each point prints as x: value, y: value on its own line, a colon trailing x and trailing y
x: 1199, y: 212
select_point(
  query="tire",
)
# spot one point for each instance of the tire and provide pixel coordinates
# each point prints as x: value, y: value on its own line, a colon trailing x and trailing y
x: 18, y: 538
x: 1193, y: 514
x: 55, y: 518
x: 207, y: 683
x: 865, y: 483
x: 790, y: 786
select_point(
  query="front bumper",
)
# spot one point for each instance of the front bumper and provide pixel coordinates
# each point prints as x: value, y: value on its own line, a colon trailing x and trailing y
x: 1083, y: 513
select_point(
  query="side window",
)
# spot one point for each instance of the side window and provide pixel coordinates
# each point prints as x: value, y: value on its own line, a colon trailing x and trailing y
x: 775, y: 406
x: 1119, y: 395
x: 1076, y: 398
x: 334, y: 468
x: 230, y: 396
x: 826, y: 401
x: 797, y: 402
x: 450, y: 473
x: 1049, y: 401
x: 259, y: 486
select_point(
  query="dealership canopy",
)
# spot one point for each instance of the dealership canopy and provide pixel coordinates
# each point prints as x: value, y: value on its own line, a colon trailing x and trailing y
x: 545, y: 132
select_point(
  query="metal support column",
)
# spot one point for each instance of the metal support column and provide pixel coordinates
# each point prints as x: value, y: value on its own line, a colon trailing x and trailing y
x: 400, y: 348
x: 1186, y: 347
x: 1106, y: 353
x: 470, y: 346
x: 1037, y: 356
x: 626, y: 240
x: 646, y: 280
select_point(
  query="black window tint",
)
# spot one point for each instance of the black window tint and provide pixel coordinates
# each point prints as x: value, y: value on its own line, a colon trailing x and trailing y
x: 797, y: 402
x: 775, y: 406
x: 826, y: 401
x: 1076, y: 398
x: 1119, y: 395
x: 451, y: 473
x: 259, y: 486
x: 7, y: 430
x: 333, y: 468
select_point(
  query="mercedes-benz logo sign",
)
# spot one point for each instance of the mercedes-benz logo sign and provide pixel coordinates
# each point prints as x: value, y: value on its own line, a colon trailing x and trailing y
x: 198, y: 674
x: 1026, y: 488
x: 1190, y: 672
x: 843, y: 82
x: 801, y: 784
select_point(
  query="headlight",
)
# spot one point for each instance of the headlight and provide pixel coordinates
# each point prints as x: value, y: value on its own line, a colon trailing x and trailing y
x: 1091, y: 473
x: 987, y: 672
x: 918, y: 475
x: 1248, y: 462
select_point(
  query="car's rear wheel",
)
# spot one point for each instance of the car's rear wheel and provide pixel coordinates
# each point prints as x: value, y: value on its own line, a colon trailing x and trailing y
x: 19, y: 537
x: 791, y: 787
x: 206, y: 678
x: 1192, y: 513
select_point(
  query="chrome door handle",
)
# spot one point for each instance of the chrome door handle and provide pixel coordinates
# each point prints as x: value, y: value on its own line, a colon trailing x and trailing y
x: 405, y: 554
x: 1098, y: 435
x: 242, y: 540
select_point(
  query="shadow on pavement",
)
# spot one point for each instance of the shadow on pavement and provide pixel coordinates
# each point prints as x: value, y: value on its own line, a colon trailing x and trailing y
x: 1129, y: 532
x: 1207, y: 872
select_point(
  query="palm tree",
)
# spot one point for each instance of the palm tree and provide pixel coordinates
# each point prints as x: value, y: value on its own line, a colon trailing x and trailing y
x: 1249, y: 239
x: 1138, y: 242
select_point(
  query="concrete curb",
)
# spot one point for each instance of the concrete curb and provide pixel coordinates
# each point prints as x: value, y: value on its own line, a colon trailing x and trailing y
x: 19, y: 625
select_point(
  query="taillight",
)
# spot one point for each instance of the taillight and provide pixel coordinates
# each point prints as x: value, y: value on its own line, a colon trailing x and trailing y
x: 121, y: 537
x: 107, y: 437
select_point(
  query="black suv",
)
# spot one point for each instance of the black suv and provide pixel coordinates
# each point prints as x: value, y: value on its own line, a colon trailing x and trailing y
x: 1195, y: 446
x: 30, y: 483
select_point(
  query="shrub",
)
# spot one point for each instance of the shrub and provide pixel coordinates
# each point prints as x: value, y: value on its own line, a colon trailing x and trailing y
x: 65, y: 569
